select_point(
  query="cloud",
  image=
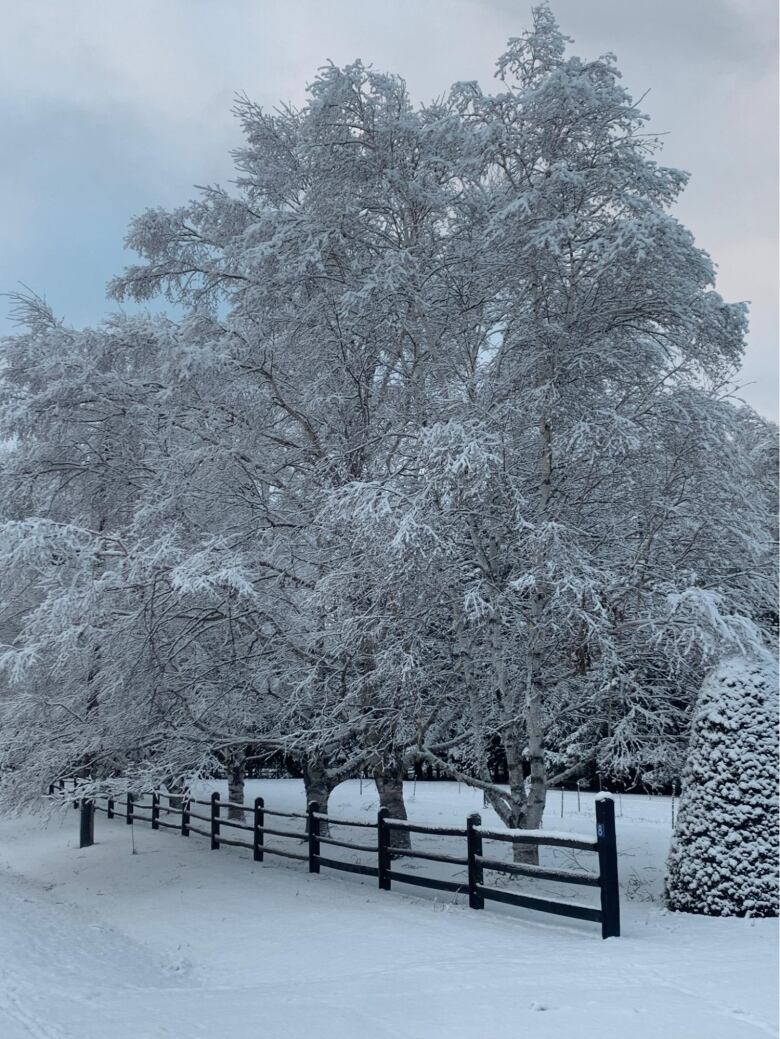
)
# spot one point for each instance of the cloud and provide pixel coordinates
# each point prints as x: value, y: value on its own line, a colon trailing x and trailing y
x: 107, y: 108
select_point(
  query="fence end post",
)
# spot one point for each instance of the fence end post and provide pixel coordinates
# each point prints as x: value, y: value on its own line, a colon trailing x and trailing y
x: 185, y: 816
x: 87, y: 824
x: 608, y: 867
x: 129, y: 812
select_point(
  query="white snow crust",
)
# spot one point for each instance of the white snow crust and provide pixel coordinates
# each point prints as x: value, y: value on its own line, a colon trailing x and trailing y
x: 181, y: 942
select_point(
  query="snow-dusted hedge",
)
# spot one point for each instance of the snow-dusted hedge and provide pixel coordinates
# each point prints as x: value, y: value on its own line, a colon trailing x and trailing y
x: 724, y: 855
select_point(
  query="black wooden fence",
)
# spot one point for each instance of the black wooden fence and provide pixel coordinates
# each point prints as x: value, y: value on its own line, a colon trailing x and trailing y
x: 185, y: 809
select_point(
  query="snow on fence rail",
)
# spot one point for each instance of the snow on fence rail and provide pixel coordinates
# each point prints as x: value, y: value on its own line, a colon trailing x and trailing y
x: 604, y: 845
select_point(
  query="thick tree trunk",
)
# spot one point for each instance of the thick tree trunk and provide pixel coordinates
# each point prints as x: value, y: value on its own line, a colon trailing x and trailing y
x: 236, y: 789
x: 389, y: 779
x: 537, y: 787
x: 518, y: 811
x: 537, y: 793
x: 518, y: 815
x: 175, y: 786
x: 319, y: 786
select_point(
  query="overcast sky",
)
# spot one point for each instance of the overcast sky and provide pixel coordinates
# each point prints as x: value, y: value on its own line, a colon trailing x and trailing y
x: 107, y: 107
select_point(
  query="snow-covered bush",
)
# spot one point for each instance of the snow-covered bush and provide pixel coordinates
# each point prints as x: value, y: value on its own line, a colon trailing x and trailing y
x: 724, y: 855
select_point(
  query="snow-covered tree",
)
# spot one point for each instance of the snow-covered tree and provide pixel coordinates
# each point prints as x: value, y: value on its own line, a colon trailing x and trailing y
x: 438, y: 458
x: 724, y: 856
x: 332, y: 261
x: 607, y: 340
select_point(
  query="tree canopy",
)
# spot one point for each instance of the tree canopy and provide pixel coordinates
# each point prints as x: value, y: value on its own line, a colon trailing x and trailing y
x: 438, y: 462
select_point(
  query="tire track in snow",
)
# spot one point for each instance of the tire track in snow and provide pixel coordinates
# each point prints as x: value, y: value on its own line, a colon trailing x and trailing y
x: 59, y: 963
x: 12, y: 1006
x: 736, y: 1015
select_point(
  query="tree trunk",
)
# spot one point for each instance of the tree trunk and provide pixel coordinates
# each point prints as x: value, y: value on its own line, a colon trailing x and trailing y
x: 518, y: 816
x: 175, y: 786
x: 518, y: 811
x: 534, y: 808
x: 389, y: 779
x: 319, y: 786
x: 236, y: 789
x: 537, y: 787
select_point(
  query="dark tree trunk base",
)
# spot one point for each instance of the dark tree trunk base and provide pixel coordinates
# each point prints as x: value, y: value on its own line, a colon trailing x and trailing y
x: 390, y: 787
x: 318, y: 786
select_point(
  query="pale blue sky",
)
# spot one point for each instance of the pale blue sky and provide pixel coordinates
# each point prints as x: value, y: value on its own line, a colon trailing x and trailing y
x: 107, y: 108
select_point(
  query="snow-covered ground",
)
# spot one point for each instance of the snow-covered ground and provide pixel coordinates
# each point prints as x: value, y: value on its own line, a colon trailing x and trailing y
x: 178, y: 941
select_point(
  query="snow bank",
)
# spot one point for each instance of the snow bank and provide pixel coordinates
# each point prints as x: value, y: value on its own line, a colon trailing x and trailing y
x: 180, y: 942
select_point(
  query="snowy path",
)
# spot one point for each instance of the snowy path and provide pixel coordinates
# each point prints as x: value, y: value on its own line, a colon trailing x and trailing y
x: 53, y: 963
x: 177, y: 941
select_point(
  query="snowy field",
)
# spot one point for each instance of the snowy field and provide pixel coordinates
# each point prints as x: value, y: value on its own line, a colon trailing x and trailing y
x: 178, y: 941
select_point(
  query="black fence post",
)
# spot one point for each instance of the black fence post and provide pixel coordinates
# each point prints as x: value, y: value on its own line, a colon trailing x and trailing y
x: 76, y: 801
x: 51, y: 789
x: 608, y: 867
x: 87, y: 824
x: 185, y: 817
x: 474, y: 848
x: 214, y: 821
x: 257, y: 832
x: 383, y: 849
x: 155, y: 810
x: 129, y: 815
x: 109, y: 808
x: 314, y: 837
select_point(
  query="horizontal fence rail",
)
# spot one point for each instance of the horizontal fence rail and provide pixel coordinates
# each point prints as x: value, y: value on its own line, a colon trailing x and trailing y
x: 477, y: 863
